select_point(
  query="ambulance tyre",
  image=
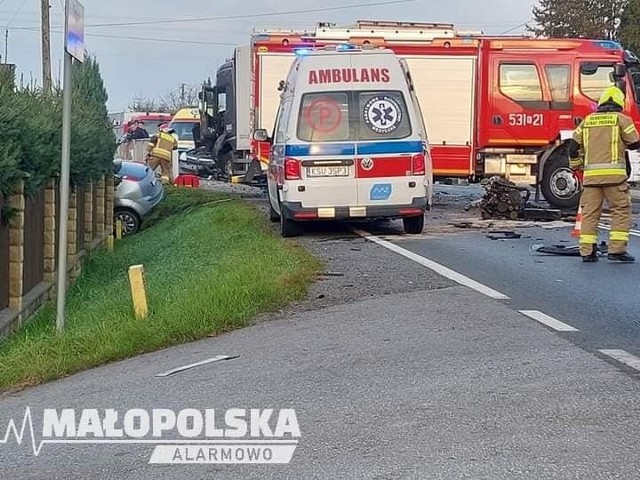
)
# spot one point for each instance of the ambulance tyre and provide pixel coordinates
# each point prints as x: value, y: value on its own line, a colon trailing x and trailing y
x: 413, y: 225
x: 558, y: 185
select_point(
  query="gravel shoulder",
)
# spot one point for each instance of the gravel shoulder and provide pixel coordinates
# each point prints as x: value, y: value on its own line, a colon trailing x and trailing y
x: 355, y: 269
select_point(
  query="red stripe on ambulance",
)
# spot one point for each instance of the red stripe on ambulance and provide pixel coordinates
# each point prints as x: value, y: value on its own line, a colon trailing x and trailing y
x: 383, y: 167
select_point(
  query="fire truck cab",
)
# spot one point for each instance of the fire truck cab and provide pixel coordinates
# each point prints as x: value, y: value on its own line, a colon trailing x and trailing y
x: 493, y: 105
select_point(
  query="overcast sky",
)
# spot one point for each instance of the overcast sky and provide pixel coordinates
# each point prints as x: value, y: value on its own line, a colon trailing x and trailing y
x: 195, y: 48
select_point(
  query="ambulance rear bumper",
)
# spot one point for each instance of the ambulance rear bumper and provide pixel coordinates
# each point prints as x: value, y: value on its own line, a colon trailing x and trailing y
x: 295, y: 211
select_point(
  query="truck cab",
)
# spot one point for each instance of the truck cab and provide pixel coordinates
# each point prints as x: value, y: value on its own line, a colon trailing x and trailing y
x: 537, y: 94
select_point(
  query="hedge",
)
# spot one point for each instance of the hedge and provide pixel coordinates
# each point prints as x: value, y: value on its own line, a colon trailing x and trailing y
x: 31, y: 126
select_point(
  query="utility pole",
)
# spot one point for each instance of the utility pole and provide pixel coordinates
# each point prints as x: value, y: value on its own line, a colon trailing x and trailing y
x: 182, y: 95
x: 6, y: 46
x: 46, y: 46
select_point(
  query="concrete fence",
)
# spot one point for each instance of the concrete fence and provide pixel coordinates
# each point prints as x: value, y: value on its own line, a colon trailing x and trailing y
x: 29, y: 244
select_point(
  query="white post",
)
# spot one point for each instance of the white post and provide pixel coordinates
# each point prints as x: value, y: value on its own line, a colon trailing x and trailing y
x: 64, y: 190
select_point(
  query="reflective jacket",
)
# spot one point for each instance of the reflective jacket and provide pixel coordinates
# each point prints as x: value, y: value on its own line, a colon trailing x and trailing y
x: 604, y: 137
x: 162, y: 145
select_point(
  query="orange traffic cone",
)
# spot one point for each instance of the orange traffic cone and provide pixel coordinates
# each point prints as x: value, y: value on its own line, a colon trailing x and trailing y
x: 577, y: 228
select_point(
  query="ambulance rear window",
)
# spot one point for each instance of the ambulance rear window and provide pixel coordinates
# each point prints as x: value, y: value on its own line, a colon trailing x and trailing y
x: 353, y: 116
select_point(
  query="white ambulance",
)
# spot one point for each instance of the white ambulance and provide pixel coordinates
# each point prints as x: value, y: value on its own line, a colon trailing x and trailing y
x: 349, y: 141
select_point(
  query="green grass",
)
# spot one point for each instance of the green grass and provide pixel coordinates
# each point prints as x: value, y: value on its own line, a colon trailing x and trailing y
x: 209, y: 268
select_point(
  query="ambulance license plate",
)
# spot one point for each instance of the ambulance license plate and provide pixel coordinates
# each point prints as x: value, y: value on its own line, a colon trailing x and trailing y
x: 332, y: 171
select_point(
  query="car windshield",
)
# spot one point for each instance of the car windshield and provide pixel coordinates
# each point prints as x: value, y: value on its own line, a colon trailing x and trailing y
x: 184, y: 130
x: 353, y: 116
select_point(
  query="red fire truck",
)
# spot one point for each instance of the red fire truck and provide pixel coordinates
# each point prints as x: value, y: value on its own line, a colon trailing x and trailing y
x: 493, y: 105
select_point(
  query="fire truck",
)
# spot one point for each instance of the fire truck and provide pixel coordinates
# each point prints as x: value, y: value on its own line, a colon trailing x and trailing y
x: 493, y: 105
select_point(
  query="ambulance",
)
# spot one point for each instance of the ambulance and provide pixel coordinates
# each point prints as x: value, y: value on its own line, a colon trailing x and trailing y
x: 183, y: 122
x: 349, y: 141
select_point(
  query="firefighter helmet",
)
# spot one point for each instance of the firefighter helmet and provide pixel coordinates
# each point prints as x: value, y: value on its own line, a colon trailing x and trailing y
x: 612, y: 94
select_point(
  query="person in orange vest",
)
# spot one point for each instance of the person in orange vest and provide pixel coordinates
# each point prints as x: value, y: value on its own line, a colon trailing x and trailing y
x: 603, y: 137
x: 161, y: 147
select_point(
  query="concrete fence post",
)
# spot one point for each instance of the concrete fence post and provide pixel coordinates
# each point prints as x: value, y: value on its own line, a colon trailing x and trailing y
x: 88, y: 216
x: 100, y: 207
x: 16, y: 248
x: 50, y: 238
x: 110, y: 195
x: 72, y: 233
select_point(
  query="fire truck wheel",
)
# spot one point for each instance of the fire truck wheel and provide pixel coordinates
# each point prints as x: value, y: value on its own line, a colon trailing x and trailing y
x: 558, y: 186
x: 413, y: 225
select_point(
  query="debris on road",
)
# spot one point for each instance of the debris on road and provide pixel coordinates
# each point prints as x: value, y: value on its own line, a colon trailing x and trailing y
x: 503, y: 199
x: 506, y: 200
x: 570, y: 251
x: 503, y: 235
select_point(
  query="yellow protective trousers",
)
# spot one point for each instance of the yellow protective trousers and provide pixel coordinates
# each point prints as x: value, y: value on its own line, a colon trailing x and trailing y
x: 618, y: 198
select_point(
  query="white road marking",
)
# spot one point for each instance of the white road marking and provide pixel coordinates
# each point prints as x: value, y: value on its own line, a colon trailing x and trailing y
x: 197, y: 364
x: 635, y: 233
x: 623, y: 357
x: 436, y: 267
x: 548, y: 321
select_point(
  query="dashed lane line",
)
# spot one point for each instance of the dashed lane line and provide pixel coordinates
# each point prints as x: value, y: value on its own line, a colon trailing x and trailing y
x: 548, y: 321
x: 436, y: 267
x: 634, y: 233
x: 623, y: 357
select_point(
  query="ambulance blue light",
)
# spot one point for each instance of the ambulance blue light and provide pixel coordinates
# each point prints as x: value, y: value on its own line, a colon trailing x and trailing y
x: 302, y: 51
x: 609, y: 44
x: 345, y: 46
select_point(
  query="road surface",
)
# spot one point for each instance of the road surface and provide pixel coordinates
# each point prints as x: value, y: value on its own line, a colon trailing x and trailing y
x: 398, y: 366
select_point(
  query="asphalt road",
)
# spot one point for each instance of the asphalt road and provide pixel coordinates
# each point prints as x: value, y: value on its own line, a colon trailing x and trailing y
x: 394, y: 370
x: 599, y: 300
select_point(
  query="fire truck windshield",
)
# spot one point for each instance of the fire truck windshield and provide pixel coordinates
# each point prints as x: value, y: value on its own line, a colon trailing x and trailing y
x: 634, y: 73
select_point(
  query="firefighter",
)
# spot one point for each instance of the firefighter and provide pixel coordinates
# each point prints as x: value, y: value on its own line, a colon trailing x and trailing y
x: 604, y: 170
x: 161, y: 147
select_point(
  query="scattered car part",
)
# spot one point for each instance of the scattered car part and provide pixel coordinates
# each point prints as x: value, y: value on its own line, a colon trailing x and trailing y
x: 503, y: 199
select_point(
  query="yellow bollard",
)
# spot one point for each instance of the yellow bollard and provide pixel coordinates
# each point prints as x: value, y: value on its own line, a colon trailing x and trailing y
x: 110, y: 242
x: 119, y: 229
x: 138, y: 291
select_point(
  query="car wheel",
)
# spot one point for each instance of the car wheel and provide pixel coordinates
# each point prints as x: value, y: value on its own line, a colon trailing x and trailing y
x: 130, y: 221
x: 558, y: 186
x: 413, y: 225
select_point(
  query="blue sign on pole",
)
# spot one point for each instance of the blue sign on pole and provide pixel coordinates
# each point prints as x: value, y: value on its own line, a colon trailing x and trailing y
x: 74, y: 30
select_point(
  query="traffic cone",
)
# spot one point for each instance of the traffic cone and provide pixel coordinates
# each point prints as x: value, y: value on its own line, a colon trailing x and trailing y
x: 577, y: 228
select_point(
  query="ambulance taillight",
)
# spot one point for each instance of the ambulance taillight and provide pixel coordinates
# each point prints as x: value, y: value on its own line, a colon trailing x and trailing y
x: 292, y: 169
x: 418, y: 164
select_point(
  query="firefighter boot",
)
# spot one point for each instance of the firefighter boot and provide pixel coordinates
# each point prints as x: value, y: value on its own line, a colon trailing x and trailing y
x: 592, y: 257
x: 621, y: 257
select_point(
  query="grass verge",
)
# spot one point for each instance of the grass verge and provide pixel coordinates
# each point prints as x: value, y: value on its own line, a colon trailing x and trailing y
x: 211, y: 265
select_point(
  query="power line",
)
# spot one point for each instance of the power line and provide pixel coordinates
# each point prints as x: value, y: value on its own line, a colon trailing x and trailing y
x: 252, y: 15
x: 16, y: 14
x: 515, y: 28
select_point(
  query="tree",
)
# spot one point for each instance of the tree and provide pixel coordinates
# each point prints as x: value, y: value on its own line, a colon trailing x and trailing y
x: 597, y: 19
x: 630, y: 26
x: 143, y: 104
x: 181, y: 97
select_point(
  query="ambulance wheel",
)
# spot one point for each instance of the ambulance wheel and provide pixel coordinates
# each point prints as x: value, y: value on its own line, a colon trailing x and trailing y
x: 558, y: 186
x: 288, y: 228
x: 413, y: 225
